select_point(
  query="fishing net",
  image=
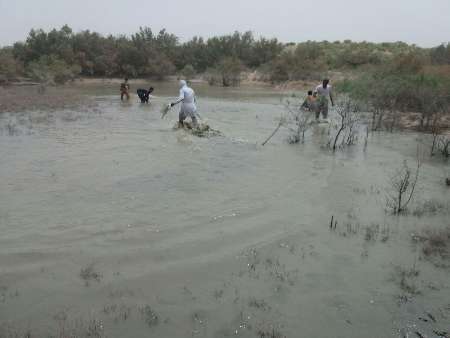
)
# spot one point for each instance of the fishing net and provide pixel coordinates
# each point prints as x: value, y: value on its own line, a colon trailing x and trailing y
x: 165, y: 109
x: 202, y: 130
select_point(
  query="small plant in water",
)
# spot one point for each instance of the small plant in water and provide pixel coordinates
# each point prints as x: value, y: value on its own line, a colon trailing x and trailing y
x: 430, y: 207
x: 298, y: 120
x: 270, y: 334
x: 407, y: 279
x: 402, y: 186
x: 436, y: 244
x: 78, y: 327
x: 218, y: 294
x: 150, y: 317
x: 88, y: 273
x: 94, y: 329
x: 347, y: 126
x: 259, y: 304
x: 440, y: 142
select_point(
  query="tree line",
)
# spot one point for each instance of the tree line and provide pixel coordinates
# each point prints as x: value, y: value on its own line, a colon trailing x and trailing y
x: 60, y: 55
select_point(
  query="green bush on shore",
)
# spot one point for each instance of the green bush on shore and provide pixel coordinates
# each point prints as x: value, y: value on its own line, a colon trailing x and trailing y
x: 10, y: 67
x: 60, y: 55
x: 401, y: 85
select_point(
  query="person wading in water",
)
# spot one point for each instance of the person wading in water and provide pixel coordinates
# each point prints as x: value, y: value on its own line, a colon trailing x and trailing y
x: 324, y: 91
x: 188, y: 107
x: 144, y: 94
x: 125, y: 89
x: 311, y: 104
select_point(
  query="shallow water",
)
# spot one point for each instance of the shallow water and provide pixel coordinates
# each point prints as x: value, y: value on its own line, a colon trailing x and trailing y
x: 219, y: 237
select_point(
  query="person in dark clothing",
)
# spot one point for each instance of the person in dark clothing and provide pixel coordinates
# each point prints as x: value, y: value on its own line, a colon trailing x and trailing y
x: 144, y: 94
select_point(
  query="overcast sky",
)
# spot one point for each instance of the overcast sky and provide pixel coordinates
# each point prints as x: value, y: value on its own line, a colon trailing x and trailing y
x: 425, y: 22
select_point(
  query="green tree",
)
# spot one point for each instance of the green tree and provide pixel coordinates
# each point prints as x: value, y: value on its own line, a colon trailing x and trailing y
x: 188, y: 72
x: 441, y: 54
x: 10, y: 68
x: 230, y: 69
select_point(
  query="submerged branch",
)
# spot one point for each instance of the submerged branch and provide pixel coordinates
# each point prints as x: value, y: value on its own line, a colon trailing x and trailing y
x: 280, y: 123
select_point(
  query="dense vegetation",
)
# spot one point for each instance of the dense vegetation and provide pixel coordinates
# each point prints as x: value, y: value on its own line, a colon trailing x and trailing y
x: 60, y: 55
x: 408, y: 83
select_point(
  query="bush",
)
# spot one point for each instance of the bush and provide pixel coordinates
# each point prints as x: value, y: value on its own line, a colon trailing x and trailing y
x: 188, y: 72
x: 401, y: 85
x: 62, y: 72
x: 226, y: 73
x: 230, y: 69
x: 441, y: 54
x: 128, y: 70
x: 213, y: 76
x: 10, y: 68
x: 159, y: 67
x: 39, y: 71
x: 158, y: 55
x: 51, y: 70
x: 279, y: 71
x: 303, y: 62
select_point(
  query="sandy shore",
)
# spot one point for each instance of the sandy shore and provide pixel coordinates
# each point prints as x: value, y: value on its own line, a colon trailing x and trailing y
x: 29, y: 98
x: 248, y: 80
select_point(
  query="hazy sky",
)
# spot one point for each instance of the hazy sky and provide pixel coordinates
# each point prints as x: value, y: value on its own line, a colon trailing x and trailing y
x: 424, y: 22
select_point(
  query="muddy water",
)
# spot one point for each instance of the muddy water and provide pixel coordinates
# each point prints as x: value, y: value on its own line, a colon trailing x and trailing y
x: 114, y: 224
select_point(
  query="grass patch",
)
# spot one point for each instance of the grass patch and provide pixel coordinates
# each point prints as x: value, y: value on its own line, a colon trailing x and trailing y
x: 149, y: 316
x: 430, y: 207
x: 89, y: 274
